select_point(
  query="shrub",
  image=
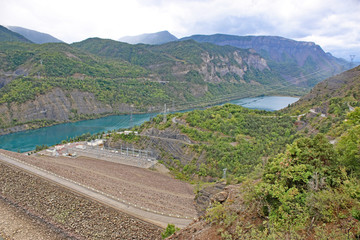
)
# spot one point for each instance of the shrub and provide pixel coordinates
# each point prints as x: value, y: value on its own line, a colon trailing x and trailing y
x: 170, y: 230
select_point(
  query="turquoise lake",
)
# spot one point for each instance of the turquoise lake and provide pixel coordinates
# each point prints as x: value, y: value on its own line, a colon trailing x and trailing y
x: 27, y: 140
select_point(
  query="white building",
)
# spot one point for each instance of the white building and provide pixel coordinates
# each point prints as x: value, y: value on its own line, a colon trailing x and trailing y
x: 95, y: 142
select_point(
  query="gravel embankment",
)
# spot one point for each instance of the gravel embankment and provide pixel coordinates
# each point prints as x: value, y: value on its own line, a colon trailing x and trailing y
x: 142, y: 187
x: 79, y: 217
x: 15, y: 223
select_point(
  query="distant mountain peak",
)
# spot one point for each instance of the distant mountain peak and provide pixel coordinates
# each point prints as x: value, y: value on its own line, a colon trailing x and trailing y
x: 34, y: 36
x: 7, y: 35
x: 150, y: 38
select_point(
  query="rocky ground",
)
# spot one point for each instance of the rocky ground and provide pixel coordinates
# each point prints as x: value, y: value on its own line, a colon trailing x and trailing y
x: 204, y: 229
x: 16, y: 224
x: 143, y: 187
x: 71, y: 216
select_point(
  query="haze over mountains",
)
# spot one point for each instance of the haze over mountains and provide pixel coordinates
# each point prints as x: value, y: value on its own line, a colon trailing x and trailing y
x: 7, y: 35
x: 150, y: 38
x: 34, y: 36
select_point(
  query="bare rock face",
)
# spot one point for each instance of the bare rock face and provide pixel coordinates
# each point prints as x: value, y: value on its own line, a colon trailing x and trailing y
x: 297, y: 54
x: 220, y: 197
x: 209, y: 195
x: 215, y: 68
x: 57, y: 105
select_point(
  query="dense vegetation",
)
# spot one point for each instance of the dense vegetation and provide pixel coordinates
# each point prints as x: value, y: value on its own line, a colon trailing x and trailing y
x: 311, y: 191
x: 235, y: 138
x: 227, y: 136
x: 143, y: 76
x: 325, y: 108
x: 6, y: 36
x: 62, y: 60
x: 295, y: 184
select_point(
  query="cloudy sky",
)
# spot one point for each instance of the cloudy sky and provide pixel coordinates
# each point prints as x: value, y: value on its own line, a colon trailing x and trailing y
x: 333, y: 24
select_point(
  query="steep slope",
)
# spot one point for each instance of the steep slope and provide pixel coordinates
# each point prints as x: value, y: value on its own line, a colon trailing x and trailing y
x: 34, y: 36
x: 303, y: 193
x: 150, y: 38
x: 116, y: 75
x: 172, y: 61
x: 326, y: 106
x: 7, y: 35
x: 57, y: 60
x: 311, y: 190
x: 302, y: 63
x: 344, y: 86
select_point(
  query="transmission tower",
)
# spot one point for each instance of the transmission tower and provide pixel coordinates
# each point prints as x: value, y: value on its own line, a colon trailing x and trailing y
x: 224, y: 173
x: 351, y: 60
x: 164, y: 113
x: 131, y: 116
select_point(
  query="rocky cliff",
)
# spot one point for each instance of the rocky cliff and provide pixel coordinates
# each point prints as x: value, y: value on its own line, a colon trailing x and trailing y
x: 56, y: 105
x: 302, y: 63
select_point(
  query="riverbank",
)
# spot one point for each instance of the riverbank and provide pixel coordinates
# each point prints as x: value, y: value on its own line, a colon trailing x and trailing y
x: 41, y: 123
x: 27, y: 140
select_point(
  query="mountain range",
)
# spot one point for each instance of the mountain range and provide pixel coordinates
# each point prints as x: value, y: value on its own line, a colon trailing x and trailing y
x: 34, y: 36
x: 294, y: 60
x: 301, y: 63
x: 150, y: 38
x: 42, y: 81
x: 7, y: 35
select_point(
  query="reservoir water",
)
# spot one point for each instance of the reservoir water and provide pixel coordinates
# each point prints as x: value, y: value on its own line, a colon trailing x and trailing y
x: 27, y: 140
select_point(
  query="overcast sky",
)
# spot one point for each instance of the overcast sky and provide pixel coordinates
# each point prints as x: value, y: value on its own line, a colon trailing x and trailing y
x: 333, y: 24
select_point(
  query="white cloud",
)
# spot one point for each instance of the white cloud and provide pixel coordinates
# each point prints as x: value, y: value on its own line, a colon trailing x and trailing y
x: 334, y: 24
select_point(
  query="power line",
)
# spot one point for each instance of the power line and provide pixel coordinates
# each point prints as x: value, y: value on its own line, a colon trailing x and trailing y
x: 248, y: 93
x: 178, y: 105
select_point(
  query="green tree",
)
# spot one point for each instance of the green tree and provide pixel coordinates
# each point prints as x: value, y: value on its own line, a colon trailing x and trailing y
x: 170, y: 230
x: 308, y: 166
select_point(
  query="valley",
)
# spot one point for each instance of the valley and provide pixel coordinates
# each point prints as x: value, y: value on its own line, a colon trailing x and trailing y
x: 24, y: 141
x: 218, y: 172
x: 46, y: 84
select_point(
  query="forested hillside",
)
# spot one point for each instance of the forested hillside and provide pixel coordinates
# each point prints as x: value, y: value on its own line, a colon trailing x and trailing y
x: 324, y: 109
x: 7, y: 35
x: 40, y: 83
x: 293, y: 183
x: 34, y: 36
